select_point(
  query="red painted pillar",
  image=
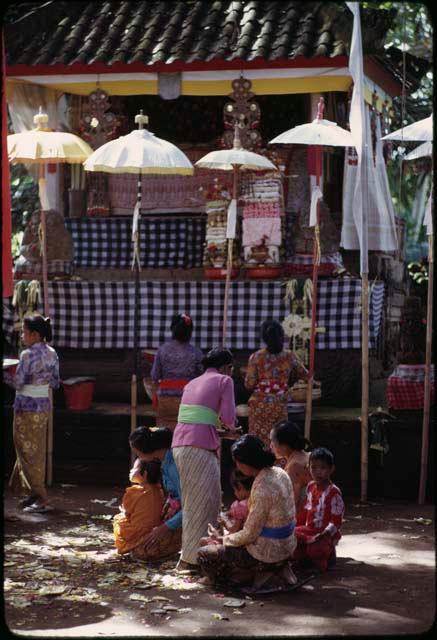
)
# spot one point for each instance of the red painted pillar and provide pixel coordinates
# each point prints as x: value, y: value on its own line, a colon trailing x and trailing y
x: 7, y: 280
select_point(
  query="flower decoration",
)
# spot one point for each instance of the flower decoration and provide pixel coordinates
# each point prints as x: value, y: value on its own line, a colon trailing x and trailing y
x: 294, y: 325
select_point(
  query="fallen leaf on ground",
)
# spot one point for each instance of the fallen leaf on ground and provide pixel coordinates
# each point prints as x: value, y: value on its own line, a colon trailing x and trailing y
x: 234, y: 603
x: 218, y: 616
x: 53, y: 590
x: 140, y: 597
x: 423, y: 520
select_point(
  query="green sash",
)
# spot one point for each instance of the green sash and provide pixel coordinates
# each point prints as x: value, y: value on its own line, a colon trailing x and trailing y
x: 197, y: 413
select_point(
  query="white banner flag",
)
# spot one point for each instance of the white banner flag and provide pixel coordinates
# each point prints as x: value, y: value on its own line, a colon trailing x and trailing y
x: 232, y: 220
x: 357, y: 127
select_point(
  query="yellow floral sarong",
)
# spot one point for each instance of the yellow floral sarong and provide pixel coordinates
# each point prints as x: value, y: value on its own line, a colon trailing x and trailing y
x: 30, y: 434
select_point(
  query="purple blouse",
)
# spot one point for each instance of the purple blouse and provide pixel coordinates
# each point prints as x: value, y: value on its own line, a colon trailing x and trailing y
x: 39, y: 365
x: 174, y: 361
x: 215, y: 391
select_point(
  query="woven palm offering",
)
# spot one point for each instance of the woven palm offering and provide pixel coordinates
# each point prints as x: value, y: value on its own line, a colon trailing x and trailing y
x: 298, y: 392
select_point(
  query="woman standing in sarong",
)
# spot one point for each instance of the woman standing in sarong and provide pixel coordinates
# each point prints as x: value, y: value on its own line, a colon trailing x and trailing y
x: 269, y: 373
x: 37, y: 370
x: 267, y: 540
x: 196, y: 446
x: 176, y: 363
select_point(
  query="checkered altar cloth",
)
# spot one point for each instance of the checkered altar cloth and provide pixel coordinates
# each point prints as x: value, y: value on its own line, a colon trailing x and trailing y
x: 100, y: 315
x: 8, y: 320
x: 406, y: 385
x: 164, y: 243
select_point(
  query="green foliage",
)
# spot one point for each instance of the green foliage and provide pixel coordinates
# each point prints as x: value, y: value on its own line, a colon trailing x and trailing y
x: 24, y: 201
x: 24, y: 196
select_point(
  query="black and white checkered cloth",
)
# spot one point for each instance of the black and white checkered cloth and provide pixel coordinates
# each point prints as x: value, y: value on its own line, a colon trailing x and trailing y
x: 100, y: 315
x: 339, y: 311
x: 164, y: 242
x: 8, y: 321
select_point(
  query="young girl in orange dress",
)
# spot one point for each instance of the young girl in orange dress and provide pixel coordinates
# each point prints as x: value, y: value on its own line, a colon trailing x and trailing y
x: 318, y: 537
x: 141, y: 508
x: 287, y: 442
x: 269, y: 373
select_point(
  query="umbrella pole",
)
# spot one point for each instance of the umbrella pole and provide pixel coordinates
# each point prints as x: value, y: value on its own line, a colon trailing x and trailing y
x: 134, y: 395
x: 45, y: 281
x: 229, y: 263
x: 364, y: 383
x: 316, y: 262
x: 427, y: 387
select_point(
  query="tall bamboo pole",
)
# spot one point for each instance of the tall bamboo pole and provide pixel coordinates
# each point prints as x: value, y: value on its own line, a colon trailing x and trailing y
x: 49, y: 440
x: 316, y: 263
x: 427, y: 386
x: 364, y: 384
x: 134, y: 387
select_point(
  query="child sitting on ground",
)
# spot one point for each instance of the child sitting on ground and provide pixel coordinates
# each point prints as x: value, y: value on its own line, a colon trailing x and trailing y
x: 141, y: 508
x: 232, y: 520
x: 317, y: 538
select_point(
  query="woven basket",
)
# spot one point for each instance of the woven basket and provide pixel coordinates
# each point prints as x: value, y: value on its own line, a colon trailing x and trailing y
x: 300, y: 394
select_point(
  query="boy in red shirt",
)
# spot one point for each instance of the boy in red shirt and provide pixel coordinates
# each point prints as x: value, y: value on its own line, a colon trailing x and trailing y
x: 317, y: 538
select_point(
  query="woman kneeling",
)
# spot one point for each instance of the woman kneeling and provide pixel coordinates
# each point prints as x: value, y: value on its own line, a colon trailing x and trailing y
x: 267, y: 539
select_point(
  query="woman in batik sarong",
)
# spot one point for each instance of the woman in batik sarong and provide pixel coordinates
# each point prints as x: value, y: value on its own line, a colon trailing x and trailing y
x: 196, y: 445
x: 165, y: 538
x: 37, y: 370
x: 269, y: 374
x: 176, y: 363
x: 267, y: 541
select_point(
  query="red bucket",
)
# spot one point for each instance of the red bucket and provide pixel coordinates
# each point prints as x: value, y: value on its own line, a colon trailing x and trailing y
x: 79, y: 394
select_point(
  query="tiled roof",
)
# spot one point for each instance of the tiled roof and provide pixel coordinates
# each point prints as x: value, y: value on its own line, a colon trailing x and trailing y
x: 190, y: 31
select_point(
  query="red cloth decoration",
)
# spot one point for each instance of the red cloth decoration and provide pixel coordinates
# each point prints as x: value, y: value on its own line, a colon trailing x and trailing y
x: 7, y: 278
x: 405, y: 394
x: 312, y: 160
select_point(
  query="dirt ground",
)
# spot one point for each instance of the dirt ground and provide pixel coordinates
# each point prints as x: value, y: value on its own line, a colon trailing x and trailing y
x: 62, y: 578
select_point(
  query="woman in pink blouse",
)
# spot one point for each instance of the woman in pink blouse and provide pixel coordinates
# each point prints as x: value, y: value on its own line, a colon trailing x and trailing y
x: 205, y: 400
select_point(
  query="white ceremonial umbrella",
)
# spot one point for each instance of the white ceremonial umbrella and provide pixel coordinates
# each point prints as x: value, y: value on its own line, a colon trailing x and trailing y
x: 421, y: 151
x: 42, y: 146
x: 138, y: 152
x: 319, y: 133
x: 421, y: 131
x: 234, y: 159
